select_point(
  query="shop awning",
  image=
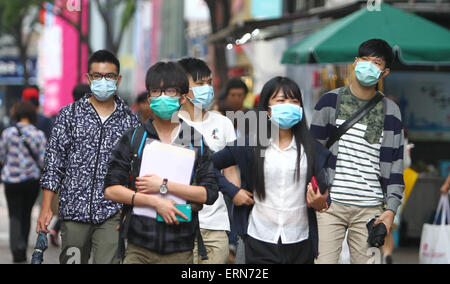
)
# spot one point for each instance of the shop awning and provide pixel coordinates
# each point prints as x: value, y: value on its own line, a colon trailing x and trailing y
x: 235, y: 31
x: 416, y: 40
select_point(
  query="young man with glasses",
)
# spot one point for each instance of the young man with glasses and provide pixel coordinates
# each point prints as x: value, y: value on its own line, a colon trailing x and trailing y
x: 151, y: 241
x: 76, y: 160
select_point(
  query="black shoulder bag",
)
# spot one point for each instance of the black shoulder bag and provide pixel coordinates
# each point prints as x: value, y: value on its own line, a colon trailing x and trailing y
x: 22, y: 138
x: 354, y: 119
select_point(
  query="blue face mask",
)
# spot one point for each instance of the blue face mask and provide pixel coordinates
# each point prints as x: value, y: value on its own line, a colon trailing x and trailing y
x: 203, y: 96
x: 286, y: 115
x: 367, y: 73
x: 103, y: 89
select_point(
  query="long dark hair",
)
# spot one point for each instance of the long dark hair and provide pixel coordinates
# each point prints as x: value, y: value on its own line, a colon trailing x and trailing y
x: 300, y: 131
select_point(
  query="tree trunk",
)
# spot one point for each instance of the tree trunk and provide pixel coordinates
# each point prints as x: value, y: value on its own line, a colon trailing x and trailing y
x: 220, y: 15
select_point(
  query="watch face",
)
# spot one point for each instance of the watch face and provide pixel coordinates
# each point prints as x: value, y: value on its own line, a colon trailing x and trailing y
x: 163, y: 189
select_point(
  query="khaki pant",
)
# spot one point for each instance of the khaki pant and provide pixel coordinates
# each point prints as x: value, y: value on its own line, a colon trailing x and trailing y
x: 78, y: 239
x: 332, y: 227
x: 217, y: 247
x: 138, y: 255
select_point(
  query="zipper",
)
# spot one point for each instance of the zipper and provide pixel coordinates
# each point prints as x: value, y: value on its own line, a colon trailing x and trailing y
x: 96, y: 162
x: 95, y: 174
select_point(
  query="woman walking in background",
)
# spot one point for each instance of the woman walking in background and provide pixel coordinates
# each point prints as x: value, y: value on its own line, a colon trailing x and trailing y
x: 22, y: 153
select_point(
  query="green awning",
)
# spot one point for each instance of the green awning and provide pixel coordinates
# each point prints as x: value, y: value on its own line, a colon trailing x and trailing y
x: 416, y: 40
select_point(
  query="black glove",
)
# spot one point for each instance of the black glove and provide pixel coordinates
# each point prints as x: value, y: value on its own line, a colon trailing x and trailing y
x: 376, y: 233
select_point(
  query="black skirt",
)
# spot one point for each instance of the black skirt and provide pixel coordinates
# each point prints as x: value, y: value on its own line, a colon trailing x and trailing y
x: 258, y: 252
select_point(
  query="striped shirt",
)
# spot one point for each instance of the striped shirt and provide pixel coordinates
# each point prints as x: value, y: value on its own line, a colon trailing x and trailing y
x: 390, y: 156
x: 356, y: 180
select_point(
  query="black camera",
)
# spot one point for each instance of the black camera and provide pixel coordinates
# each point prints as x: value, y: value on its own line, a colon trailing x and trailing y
x: 376, y: 233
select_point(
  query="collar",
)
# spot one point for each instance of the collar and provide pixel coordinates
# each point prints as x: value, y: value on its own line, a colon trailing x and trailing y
x: 120, y: 104
x: 292, y: 145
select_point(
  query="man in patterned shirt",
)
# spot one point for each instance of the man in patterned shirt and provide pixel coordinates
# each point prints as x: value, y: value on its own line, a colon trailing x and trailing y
x: 76, y: 161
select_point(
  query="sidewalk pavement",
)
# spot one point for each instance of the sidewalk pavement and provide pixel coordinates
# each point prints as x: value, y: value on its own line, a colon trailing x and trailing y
x: 51, y: 255
x: 408, y: 255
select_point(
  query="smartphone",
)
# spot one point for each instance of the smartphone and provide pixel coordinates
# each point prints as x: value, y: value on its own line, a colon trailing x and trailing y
x: 186, y: 209
x: 314, y: 184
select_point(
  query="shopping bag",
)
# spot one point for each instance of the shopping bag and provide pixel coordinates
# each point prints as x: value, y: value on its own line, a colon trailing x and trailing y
x: 435, y: 239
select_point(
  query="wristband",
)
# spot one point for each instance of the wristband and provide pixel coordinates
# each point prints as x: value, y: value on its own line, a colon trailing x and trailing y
x: 132, y: 199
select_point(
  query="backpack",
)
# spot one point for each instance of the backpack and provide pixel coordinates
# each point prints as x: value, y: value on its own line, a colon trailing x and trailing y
x: 138, y: 139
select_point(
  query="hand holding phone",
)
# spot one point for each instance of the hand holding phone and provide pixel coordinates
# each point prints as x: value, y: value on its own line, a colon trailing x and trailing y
x: 315, y: 198
x: 314, y: 184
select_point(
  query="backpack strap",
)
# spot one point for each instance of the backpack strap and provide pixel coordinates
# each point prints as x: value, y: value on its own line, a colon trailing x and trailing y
x: 32, y: 154
x: 137, y: 142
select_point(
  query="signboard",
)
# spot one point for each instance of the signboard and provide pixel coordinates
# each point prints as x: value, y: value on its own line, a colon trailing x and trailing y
x: 266, y: 9
x: 11, y: 70
x: 424, y: 101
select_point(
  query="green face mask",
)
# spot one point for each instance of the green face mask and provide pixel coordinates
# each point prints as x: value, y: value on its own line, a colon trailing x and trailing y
x: 164, y: 106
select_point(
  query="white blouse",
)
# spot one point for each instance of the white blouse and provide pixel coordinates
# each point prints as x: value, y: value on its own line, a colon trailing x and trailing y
x: 283, y: 213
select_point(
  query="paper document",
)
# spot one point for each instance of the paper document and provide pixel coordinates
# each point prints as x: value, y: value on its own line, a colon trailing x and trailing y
x: 174, y: 163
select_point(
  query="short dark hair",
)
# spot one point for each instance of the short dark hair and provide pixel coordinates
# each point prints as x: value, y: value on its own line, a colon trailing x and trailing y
x: 25, y: 109
x: 141, y: 98
x: 167, y: 75
x: 377, y: 48
x: 102, y: 56
x: 195, y: 67
x: 80, y: 90
x: 233, y: 83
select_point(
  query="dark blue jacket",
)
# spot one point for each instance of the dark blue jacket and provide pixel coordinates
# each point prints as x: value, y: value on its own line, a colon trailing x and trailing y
x: 242, y: 156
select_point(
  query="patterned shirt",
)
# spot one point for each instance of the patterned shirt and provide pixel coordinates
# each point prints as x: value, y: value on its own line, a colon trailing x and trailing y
x: 19, y: 166
x: 77, y: 158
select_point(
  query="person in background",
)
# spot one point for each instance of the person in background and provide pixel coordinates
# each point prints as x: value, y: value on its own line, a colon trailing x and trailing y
x: 79, y: 91
x: 233, y: 97
x: 21, y: 173
x: 446, y: 185
x: 43, y: 122
x: 144, y: 111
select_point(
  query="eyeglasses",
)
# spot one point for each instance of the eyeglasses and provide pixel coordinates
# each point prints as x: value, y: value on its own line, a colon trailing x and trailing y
x: 170, y: 92
x: 108, y: 76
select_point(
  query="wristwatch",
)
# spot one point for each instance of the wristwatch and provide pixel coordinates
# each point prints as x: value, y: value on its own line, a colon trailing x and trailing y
x: 163, y: 189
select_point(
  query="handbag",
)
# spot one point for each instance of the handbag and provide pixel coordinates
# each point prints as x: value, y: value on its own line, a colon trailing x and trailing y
x: 435, y: 239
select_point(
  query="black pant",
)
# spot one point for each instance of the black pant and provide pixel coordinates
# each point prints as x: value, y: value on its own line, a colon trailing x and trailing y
x: 20, y: 198
x: 258, y: 252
